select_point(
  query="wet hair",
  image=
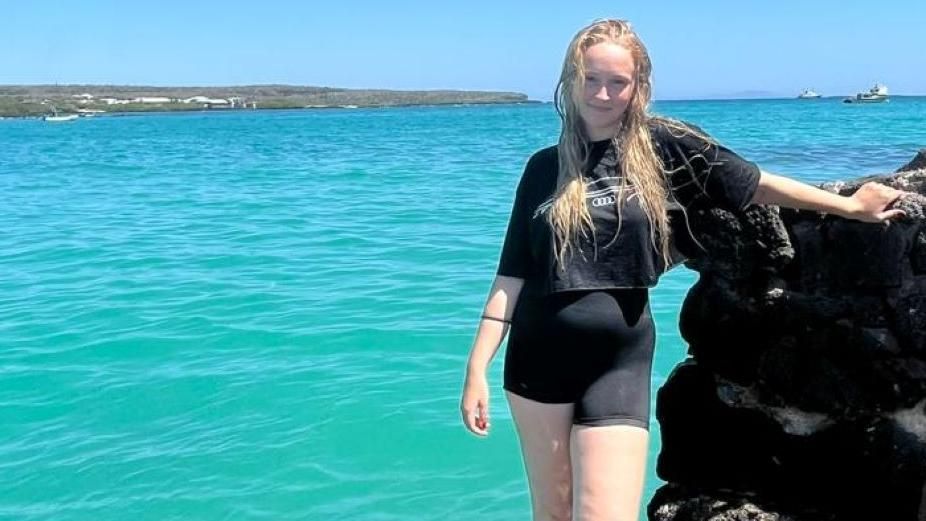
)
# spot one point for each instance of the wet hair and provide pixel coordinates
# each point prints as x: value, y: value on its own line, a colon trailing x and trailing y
x: 639, y: 166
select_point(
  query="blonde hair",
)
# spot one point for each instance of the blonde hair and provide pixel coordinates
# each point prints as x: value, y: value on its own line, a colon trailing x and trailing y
x: 639, y: 166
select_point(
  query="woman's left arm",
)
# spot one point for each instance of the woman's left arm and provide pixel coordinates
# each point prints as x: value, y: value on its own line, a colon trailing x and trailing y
x: 869, y: 203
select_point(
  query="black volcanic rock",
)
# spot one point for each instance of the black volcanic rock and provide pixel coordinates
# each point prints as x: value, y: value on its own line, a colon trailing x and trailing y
x: 805, y: 395
x: 917, y: 163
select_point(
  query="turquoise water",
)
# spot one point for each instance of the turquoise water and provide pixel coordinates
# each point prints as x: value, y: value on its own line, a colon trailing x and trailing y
x: 265, y: 315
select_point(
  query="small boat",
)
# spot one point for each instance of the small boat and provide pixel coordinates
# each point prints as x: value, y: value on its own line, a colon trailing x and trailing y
x: 58, y: 119
x: 55, y: 118
x: 876, y: 94
x: 809, y: 94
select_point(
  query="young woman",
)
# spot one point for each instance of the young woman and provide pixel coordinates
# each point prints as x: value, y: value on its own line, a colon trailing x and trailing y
x: 589, y: 234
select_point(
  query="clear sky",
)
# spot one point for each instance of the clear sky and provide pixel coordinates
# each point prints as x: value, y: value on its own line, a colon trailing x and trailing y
x: 709, y: 48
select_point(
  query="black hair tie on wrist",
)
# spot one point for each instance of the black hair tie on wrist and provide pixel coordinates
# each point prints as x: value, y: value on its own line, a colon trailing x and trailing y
x: 502, y: 320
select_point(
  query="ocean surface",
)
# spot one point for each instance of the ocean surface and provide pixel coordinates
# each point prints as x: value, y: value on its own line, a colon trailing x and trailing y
x: 265, y: 315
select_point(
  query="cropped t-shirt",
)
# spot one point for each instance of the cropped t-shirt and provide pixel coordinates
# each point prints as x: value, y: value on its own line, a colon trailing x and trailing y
x: 697, y: 172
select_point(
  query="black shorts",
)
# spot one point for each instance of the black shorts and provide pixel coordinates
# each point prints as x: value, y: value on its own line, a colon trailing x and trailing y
x: 593, y: 349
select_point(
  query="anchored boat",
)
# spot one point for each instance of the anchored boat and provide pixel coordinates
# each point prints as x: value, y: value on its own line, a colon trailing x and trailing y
x: 876, y: 94
x: 809, y: 94
x: 58, y: 119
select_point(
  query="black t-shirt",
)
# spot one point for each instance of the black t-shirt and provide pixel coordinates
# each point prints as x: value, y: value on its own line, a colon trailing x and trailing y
x: 698, y: 173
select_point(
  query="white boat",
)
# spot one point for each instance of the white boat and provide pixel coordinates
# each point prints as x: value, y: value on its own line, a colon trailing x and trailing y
x: 55, y: 118
x: 809, y: 94
x: 878, y: 90
x: 58, y: 119
x: 876, y: 94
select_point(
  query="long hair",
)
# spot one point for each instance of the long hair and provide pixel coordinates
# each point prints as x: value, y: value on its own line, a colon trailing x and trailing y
x: 640, y: 166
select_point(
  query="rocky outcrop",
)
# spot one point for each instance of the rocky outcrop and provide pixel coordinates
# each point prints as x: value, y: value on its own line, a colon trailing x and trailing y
x: 918, y: 162
x: 804, y: 398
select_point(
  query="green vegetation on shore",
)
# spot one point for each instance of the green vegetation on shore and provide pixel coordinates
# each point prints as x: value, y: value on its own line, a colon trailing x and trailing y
x: 38, y: 100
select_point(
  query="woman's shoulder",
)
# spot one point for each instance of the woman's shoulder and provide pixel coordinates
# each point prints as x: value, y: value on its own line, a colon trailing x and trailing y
x: 679, y: 141
x: 541, y: 170
x: 667, y: 130
x: 542, y: 163
x: 544, y: 156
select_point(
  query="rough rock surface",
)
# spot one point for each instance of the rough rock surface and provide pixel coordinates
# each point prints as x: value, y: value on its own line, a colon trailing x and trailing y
x: 918, y: 162
x: 805, y: 395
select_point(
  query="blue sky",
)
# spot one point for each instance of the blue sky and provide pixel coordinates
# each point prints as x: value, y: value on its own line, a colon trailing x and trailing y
x: 699, y: 48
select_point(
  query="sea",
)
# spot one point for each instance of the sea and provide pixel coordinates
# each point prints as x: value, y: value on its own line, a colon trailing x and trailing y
x: 265, y: 315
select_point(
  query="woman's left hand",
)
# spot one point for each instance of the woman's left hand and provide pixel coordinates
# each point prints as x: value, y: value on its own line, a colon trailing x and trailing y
x: 871, y: 202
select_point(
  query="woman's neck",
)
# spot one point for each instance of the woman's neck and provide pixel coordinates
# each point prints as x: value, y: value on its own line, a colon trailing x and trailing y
x: 600, y: 134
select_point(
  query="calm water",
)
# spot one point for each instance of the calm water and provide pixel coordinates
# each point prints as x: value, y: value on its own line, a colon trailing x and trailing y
x: 265, y: 315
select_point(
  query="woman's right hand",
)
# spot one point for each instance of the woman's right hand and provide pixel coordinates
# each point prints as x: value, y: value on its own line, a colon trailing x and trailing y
x: 474, y: 405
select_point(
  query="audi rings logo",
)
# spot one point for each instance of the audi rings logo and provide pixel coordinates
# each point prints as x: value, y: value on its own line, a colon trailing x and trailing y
x: 603, y: 201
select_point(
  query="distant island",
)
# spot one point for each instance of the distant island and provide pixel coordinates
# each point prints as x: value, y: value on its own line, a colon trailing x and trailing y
x: 40, y: 100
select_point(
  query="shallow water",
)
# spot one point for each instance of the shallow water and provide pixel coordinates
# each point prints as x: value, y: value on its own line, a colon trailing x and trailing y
x: 265, y: 315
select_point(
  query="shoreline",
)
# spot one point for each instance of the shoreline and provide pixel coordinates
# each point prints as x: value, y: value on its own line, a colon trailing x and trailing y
x: 199, y: 110
x: 156, y: 110
x: 41, y: 100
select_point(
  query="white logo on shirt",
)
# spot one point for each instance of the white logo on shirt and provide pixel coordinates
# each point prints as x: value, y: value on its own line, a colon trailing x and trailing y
x: 606, y: 196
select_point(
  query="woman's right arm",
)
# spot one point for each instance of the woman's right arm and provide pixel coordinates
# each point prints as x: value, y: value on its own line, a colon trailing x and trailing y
x: 493, y: 326
x: 514, y: 265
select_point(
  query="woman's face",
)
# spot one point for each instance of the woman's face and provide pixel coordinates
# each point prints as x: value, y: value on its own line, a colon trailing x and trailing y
x: 609, y: 86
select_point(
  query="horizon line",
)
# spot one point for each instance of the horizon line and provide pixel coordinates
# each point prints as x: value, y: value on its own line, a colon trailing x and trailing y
x: 707, y: 97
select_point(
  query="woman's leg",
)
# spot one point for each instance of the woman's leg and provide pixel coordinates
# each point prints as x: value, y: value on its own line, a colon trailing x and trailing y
x: 544, y: 430
x: 609, y: 470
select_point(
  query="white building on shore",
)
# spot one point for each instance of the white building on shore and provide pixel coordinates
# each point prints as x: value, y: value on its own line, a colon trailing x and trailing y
x: 152, y: 99
x: 205, y: 101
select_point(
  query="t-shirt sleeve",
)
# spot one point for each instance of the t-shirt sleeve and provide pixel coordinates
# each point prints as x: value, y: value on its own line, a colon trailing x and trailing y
x: 705, y: 172
x: 515, y: 259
